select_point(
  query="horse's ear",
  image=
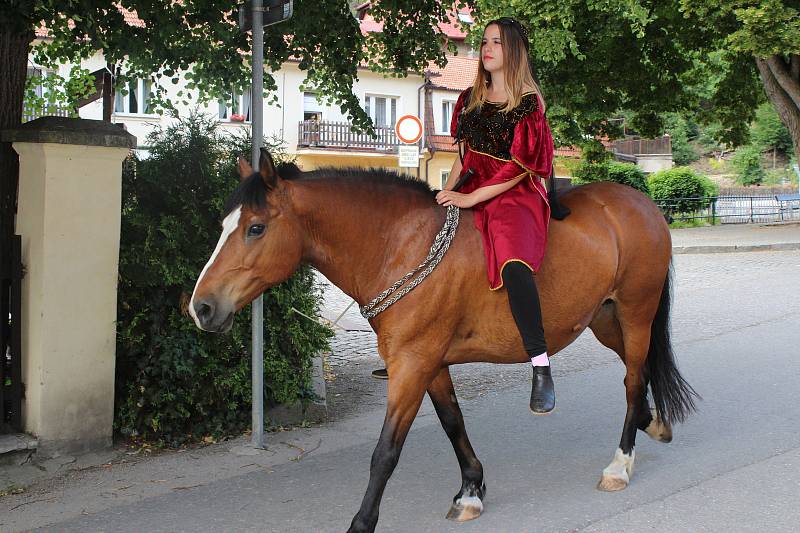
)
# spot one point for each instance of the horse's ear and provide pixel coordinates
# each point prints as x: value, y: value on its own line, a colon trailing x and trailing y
x: 245, y: 170
x: 267, y: 168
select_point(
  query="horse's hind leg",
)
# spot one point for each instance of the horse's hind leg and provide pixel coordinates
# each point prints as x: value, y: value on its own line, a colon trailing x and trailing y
x: 468, y: 503
x: 631, y: 342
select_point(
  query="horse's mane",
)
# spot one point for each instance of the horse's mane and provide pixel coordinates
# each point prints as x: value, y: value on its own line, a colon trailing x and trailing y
x: 252, y: 191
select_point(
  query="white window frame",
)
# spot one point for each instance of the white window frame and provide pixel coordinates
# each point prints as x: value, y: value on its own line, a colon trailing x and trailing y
x: 444, y: 175
x: 370, y: 106
x: 444, y: 126
x: 141, y: 101
x: 316, y: 108
x: 243, y: 101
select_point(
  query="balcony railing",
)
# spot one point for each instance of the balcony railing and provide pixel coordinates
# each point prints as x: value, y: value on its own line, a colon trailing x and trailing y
x: 327, y: 134
x: 30, y: 113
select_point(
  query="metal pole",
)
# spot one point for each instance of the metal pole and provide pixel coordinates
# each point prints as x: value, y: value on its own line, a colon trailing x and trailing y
x: 257, y: 113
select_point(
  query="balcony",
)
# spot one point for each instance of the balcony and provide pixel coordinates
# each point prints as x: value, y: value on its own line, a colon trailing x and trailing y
x: 30, y: 112
x: 328, y: 135
x: 634, y: 146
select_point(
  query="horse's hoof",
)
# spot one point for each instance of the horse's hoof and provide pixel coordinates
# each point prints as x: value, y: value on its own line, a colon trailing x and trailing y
x: 465, y: 508
x: 610, y: 483
x: 658, y: 430
x: 617, y: 475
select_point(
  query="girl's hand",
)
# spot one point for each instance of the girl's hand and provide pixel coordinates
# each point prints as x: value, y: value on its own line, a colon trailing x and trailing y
x: 447, y: 198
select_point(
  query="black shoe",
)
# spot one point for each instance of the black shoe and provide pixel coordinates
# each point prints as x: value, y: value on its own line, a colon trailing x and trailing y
x: 543, y: 395
x: 381, y: 373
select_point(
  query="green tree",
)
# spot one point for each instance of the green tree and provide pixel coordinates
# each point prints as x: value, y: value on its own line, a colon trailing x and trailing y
x: 201, y: 41
x: 768, y: 132
x: 747, y: 162
x: 762, y: 40
x: 680, y: 130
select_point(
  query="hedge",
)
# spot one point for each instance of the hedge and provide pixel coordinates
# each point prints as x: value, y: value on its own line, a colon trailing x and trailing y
x: 681, y: 189
x: 175, y: 383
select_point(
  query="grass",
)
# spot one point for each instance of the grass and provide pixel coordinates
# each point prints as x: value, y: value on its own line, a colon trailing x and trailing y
x: 695, y: 223
x: 11, y: 489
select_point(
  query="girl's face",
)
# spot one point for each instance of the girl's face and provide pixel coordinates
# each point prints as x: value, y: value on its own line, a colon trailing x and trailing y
x: 492, y: 49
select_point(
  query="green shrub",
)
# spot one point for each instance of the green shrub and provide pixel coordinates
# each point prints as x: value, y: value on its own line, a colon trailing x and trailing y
x: 175, y: 383
x: 681, y: 189
x: 747, y: 162
x: 624, y: 173
x: 593, y: 151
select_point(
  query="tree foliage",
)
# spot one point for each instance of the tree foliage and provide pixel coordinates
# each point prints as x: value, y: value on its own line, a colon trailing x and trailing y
x: 624, y: 173
x: 747, y: 162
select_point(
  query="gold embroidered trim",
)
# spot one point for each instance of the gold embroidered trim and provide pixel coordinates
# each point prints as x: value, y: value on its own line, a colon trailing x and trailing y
x: 504, y: 265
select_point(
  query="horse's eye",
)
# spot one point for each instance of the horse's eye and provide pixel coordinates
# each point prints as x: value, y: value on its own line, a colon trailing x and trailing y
x: 255, y: 230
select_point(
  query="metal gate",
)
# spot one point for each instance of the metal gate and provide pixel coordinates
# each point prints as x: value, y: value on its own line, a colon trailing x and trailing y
x: 11, y: 390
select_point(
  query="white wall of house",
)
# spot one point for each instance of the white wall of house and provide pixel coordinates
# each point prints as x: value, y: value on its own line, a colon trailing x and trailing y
x: 281, y: 118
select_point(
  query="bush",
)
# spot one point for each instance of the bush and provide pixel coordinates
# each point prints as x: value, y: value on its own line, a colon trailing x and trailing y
x: 173, y: 382
x: 747, y: 162
x: 681, y: 189
x: 624, y: 173
x: 593, y: 151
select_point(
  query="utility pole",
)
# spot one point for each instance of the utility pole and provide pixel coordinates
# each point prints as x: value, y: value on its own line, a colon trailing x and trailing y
x: 255, y: 15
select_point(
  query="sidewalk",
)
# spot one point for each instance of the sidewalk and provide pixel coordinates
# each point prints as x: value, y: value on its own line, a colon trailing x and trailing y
x: 736, y: 238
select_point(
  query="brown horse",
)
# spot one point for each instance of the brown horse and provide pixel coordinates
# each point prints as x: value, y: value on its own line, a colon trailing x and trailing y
x: 607, y: 268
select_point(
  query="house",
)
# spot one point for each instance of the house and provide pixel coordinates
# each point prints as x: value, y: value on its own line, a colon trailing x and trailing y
x: 316, y: 134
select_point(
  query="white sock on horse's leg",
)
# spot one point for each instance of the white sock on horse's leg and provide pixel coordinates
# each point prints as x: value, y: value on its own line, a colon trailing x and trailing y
x: 540, y: 360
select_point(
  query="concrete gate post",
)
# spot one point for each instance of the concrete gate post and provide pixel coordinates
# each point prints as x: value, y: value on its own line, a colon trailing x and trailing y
x: 69, y: 211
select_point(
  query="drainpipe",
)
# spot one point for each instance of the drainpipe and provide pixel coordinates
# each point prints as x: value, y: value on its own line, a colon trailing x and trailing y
x: 427, y: 130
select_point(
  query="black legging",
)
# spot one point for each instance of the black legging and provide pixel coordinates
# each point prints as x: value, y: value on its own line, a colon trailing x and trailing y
x: 524, y: 300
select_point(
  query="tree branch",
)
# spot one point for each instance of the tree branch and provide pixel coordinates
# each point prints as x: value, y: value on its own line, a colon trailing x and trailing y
x: 794, y: 67
x: 790, y: 85
x: 787, y: 109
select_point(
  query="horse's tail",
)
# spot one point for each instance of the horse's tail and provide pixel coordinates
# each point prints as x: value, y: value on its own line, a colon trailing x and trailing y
x: 674, y: 398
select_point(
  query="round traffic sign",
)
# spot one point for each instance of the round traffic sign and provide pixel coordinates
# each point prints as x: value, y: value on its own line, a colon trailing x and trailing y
x: 408, y: 129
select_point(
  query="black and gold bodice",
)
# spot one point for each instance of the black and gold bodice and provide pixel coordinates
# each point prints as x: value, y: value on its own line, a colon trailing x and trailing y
x: 491, y: 131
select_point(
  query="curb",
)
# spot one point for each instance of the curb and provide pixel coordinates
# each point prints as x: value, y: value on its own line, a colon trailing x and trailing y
x: 778, y: 247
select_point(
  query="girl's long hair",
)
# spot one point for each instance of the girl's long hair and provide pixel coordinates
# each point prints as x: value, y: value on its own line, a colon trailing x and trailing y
x: 517, y: 68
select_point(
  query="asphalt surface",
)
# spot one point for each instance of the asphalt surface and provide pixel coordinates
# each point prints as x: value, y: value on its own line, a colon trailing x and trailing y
x: 733, y: 466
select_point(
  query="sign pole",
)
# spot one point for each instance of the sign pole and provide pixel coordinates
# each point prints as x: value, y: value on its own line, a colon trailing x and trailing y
x: 256, y: 114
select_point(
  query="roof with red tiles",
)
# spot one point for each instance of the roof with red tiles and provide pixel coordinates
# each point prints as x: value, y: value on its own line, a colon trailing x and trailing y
x: 129, y: 15
x: 457, y: 75
x: 451, y: 28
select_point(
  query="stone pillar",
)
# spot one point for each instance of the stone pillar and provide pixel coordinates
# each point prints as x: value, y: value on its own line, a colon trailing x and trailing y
x: 68, y: 215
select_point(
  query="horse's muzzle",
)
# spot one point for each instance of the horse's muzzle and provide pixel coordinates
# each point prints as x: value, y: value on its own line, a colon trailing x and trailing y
x: 212, y: 315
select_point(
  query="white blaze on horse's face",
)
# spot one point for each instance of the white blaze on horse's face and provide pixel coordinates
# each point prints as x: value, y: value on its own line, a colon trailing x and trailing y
x: 229, y: 225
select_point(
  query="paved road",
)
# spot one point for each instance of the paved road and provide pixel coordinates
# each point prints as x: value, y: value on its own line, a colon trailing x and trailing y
x: 735, y: 466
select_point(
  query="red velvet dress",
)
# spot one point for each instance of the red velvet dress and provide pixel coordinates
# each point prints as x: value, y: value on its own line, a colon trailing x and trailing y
x: 500, y: 147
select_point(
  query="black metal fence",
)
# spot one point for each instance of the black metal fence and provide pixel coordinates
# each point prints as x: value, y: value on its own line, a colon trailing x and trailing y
x: 731, y: 209
x: 11, y: 390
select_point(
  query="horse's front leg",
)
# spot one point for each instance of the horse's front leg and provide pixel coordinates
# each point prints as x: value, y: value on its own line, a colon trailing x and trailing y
x: 468, y: 503
x: 407, y: 384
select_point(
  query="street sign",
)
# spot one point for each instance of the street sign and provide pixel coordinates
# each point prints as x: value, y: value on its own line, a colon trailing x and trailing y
x: 408, y: 156
x: 274, y: 11
x: 408, y: 129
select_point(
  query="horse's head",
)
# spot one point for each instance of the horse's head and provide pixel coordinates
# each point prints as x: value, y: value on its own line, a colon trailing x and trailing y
x: 260, y: 246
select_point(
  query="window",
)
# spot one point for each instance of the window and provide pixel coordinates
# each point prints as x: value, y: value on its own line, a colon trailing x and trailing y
x: 137, y: 99
x: 236, y: 108
x: 381, y: 109
x: 447, y: 113
x: 311, y: 108
x: 445, y: 175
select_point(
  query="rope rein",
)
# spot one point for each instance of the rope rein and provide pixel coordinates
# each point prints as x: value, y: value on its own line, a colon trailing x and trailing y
x: 440, y: 245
